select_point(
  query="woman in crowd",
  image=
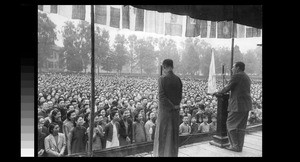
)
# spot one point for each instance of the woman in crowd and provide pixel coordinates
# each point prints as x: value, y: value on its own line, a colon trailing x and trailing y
x: 149, y: 125
x: 55, y: 142
x: 97, y: 135
x: 139, y: 133
x: 55, y: 117
x: 68, y: 125
x: 112, y: 130
x: 77, y: 137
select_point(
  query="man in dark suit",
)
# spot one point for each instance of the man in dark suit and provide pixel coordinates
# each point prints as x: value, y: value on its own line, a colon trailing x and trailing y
x: 125, y: 127
x: 167, y: 127
x: 239, y: 105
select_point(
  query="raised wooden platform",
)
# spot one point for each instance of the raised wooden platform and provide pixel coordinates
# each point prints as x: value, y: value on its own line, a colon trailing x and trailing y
x: 145, y: 148
x: 252, y: 148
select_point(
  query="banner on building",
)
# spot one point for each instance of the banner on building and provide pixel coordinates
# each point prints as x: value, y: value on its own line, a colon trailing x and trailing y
x: 224, y: 29
x: 173, y: 24
x: 125, y: 17
x: 192, y: 27
x: 78, y: 12
x: 139, y: 20
x: 100, y: 14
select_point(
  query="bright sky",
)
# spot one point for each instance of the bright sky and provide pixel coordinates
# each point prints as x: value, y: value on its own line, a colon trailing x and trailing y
x: 244, y: 43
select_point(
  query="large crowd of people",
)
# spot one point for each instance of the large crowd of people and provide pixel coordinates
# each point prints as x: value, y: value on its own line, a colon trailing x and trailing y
x: 125, y: 110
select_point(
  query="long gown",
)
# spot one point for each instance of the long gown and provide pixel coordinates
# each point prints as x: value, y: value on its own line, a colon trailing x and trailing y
x: 167, y: 126
x: 78, y: 139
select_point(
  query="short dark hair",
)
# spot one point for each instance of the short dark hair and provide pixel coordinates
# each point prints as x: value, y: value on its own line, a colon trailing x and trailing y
x: 241, y: 65
x: 204, y: 116
x: 112, y: 114
x: 69, y: 114
x: 51, y: 127
x: 53, y: 114
x: 168, y: 63
x: 76, y: 118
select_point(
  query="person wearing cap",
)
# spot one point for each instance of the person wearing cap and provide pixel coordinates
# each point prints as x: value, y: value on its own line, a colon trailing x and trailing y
x: 167, y: 130
x: 239, y: 105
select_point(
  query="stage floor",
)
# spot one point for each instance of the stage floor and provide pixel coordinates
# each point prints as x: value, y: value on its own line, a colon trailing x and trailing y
x: 252, y: 148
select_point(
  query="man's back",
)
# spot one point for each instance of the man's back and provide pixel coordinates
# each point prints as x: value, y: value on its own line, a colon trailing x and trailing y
x: 240, y: 97
x: 172, y: 86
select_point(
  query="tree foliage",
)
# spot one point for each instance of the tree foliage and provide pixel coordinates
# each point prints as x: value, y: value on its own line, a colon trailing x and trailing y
x: 132, y: 57
x: 102, y: 48
x: 46, y: 37
x: 145, y: 55
x: 77, y: 45
x: 120, y: 52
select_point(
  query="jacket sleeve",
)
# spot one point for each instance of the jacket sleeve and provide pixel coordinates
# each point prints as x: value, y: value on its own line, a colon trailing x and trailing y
x: 180, y: 129
x: 147, y: 128
x: 48, y: 149
x: 106, y: 131
x: 70, y: 141
x: 162, y: 95
x: 144, y: 131
x: 65, y: 131
x: 231, y: 84
x: 133, y: 131
x: 63, y: 144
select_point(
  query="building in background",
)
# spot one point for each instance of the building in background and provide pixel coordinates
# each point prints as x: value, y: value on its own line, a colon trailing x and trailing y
x: 52, y: 62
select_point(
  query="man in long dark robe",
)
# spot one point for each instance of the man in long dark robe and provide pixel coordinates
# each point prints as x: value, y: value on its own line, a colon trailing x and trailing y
x: 239, y: 105
x: 167, y: 129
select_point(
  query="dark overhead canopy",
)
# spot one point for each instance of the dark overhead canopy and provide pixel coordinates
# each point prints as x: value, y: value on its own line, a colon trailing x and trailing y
x: 249, y: 15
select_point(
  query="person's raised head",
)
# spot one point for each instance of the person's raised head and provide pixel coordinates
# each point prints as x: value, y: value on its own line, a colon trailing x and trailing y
x: 167, y: 63
x: 53, y: 128
x: 239, y: 66
x: 71, y: 114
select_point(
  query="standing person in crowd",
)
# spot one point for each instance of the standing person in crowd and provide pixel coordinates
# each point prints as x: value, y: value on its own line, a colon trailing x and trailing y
x: 199, y: 114
x: 87, y: 118
x: 77, y: 137
x: 125, y: 128
x: 68, y: 125
x: 142, y: 111
x: 239, y: 105
x: 194, y: 125
x: 170, y: 95
x: 112, y: 130
x: 102, y: 125
x: 149, y: 127
x: 55, y: 142
x: 41, y: 139
x: 55, y: 116
x: 97, y: 135
x: 105, y: 119
x: 139, y: 134
x: 213, y: 124
x: 63, y: 109
x: 43, y: 112
x: 44, y: 129
x: 184, y: 128
x: 204, y: 126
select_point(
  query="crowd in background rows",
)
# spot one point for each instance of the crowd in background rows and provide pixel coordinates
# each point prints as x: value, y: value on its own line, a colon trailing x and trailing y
x: 125, y: 110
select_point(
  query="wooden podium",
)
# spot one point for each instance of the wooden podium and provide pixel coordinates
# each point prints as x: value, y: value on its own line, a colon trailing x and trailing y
x: 221, y: 139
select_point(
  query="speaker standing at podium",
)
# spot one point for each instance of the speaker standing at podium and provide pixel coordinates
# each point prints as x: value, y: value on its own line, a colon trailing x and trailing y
x: 239, y: 105
x: 167, y: 127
